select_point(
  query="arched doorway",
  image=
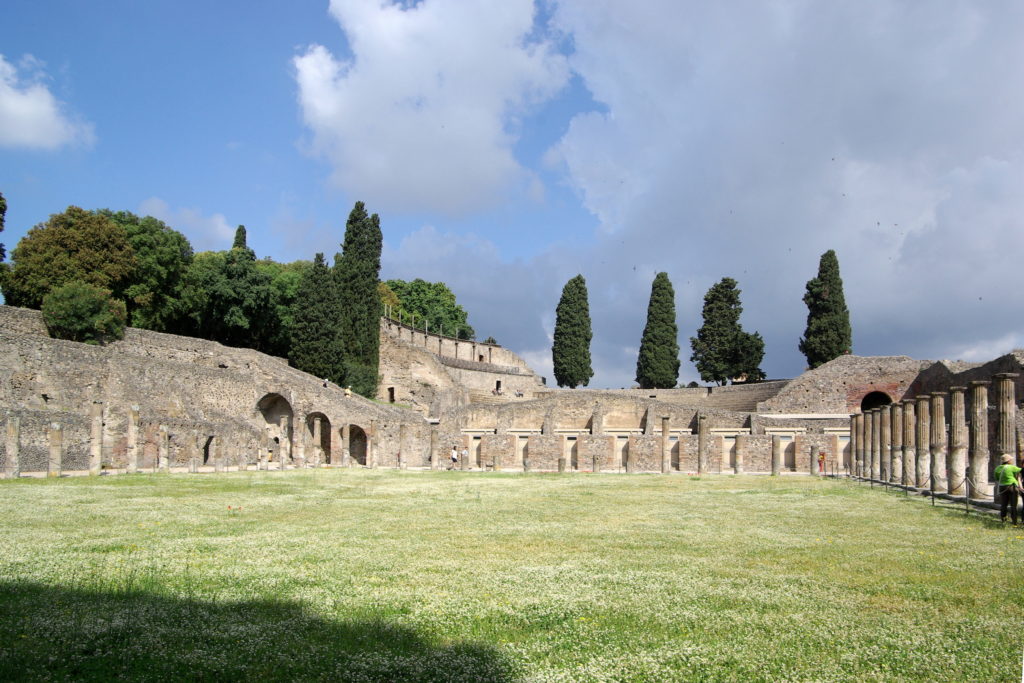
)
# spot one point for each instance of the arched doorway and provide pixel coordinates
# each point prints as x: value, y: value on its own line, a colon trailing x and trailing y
x: 875, y: 399
x: 277, y: 413
x: 324, y: 434
x: 357, y: 444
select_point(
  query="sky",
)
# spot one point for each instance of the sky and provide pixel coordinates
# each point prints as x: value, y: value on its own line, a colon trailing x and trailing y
x: 508, y: 146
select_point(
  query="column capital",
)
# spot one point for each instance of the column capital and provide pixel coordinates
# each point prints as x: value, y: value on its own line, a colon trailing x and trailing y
x: 908, y: 400
x: 958, y: 389
x: 1006, y: 375
x: 980, y: 382
x: 937, y: 394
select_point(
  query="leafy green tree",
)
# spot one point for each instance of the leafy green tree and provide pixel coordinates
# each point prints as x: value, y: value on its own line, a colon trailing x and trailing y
x: 73, y: 245
x: 226, y: 298
x: 570, y: 353
x: 722, y: 350
x: 432, y: 304
x: 82, y: 312
x: 285, y: 279
x: 657, y: 365
x: 163, y: 256
x: 828, y: 334
x: 357, y: 270
x: 388, y: 299
x: 316, y: 324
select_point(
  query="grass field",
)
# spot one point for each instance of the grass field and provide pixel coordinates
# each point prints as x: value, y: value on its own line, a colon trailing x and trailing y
x: 380, y: 575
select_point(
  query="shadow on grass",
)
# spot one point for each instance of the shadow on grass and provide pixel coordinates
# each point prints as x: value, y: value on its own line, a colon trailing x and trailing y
x: 66, y: 634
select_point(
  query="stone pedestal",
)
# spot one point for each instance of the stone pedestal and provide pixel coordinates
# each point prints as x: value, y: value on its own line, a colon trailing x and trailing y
x: 922, y: 472
x: 318, y: 441
x: 909, y: 442
x: 56, y: 454
x: 12, y: 457
x: 561, y: 464
x: 896, y: 446
x: 776, y: 455
x: 346, y: 458
x: 95, y: 438
x: 956, y: 455
x: 702, y: 444
x: 977, y: 472
x: 217, y: 454
x: 937, y: 446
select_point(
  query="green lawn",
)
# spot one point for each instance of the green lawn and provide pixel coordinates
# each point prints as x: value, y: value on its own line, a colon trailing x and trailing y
x: 381, y: 575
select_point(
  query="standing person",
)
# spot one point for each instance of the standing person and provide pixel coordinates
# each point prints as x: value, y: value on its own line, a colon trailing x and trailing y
x: 455, y: 458
x: 1007, y: 483
x: 821, y: 462
x: 465, y: 454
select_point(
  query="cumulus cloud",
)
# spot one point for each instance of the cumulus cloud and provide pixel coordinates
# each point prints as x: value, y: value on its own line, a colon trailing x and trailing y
x: 746, y: 139
x: 424, y: 114
x: 30, y: 115
x: 205, y: 232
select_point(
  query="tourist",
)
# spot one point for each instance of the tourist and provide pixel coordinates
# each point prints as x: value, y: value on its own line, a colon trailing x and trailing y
x: 821, y: 462
x: 465, y: 454
x: 455, y: 457
x: 1008, y: 483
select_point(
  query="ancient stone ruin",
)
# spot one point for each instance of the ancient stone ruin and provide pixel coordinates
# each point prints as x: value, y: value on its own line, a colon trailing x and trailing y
x: 157, y: 402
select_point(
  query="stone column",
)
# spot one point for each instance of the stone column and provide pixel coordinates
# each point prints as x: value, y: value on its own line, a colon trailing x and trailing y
x: 922, y: 473
x: 12, y: 457
x: 95, y: 438
x: 956, y: 456
x: 163, y: 449
x: 286, y: 442
x: 909, y: 441
x: 852, y: 469
x: 597, y: 420
x: 869, y: 435
x: 132, y: 447
x: 628, y: 454
x: 371, y: 446
x: 937, y: 447
x: 702, y: 444
x: 837, y: 450
x: 666, y: 445
x: 346, y: 457
x: 53, y: 464
x: 858, y: 455
x: 884, y: 443
x: 302, y: 446
x: 876, y: 443
x: 742, y: 444
x: 1006, y: 437
x: 403, y: 456
x: 193, y: 453
x: 435, y: 455
x: 896, y: 453
x: 978, y: 471
x: 776, y: 454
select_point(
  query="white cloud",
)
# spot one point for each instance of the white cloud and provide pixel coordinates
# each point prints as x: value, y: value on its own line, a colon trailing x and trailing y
x: 424, y: 114
x: 745, y: 140
x: 205, y: 232
x: 30, y: 116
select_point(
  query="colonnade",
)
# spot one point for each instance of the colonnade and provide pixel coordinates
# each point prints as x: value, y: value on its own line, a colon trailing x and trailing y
x: 907, y: 442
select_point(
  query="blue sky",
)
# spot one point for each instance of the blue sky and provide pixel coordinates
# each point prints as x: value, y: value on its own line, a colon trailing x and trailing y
x: 508, y: 146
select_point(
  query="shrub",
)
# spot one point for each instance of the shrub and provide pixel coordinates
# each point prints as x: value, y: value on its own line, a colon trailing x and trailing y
x: 82, y: 312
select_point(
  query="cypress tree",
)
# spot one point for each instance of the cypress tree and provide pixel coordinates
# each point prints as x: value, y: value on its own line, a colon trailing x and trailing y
x: 828, y: 334
x: 239, y: 242
x: 570, y: 353
x: 357, y: 272
x: 3, y: 213
x: 721, y: 349
x: 315, y: 334
x: 657, y: 366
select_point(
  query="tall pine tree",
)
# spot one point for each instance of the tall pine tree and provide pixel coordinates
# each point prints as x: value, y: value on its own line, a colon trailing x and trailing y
x: 570, y: 353
x: 828, y: 334
x: 315, y: 331
x: 357, y: 270
x: 657, y: 366
x: 722, y: 350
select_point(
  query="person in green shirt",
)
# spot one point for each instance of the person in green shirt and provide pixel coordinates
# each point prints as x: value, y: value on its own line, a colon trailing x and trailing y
x: 1008, y: 482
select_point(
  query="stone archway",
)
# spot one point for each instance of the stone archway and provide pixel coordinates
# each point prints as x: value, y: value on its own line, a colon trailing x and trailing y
x: 277, y: 413
x: 874, y: 399
x: 324, y: 433
x: 357, y: 444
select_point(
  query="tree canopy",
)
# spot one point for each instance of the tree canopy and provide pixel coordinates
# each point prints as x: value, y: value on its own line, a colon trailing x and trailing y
x: 162, y: 255
x: 73, y: 245
x: 570, y: 352
x: 81, y: 312
x: 722, y: 351
x: 357, y: 270
x: 315, y: 324
x: 657, y: 365
x: 431, y: 304
x: 828, y: 334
